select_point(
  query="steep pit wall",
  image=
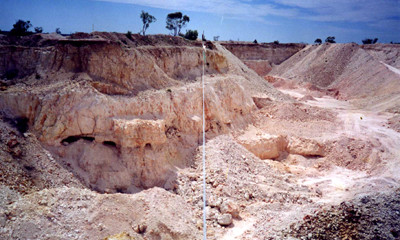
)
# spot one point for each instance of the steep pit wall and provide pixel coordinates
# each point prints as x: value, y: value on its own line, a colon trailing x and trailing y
x: 114, y: 141
x: 262, y: 57
x: 134, y: 69
x: 121, y: 143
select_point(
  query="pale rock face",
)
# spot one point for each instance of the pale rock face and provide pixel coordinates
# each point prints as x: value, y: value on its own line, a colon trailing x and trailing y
x: 263, y: 145
x: 138, y: 132
x: 147, y: 68
x: 137, y: 141
x: 305, y: 147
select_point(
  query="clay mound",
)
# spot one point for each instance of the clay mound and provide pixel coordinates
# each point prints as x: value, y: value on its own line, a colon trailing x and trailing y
x: 345, y: 68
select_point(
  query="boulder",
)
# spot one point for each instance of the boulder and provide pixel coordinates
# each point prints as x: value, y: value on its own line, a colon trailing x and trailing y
x: 231, y: 208
x: 224, y: 219
x: 263, y: 145
x: 305, y: 147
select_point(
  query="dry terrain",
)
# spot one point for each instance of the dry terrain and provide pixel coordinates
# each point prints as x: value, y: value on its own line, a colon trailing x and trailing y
x: 101, y: 138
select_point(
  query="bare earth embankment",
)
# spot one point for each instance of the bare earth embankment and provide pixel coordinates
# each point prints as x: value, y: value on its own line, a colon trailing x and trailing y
x: 101, y: 139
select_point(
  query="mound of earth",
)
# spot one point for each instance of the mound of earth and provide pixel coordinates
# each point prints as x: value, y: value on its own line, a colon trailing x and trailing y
x: 353, y: 71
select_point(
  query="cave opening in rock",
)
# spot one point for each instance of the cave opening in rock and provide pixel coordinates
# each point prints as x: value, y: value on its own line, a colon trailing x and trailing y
x: 72, y: 139
x: 121, y: 190
x: 110, y: 143
x: 148, y: 146
x: 20, y: 123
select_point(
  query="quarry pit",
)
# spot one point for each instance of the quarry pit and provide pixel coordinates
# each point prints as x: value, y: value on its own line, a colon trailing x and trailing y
x: 101, y: 138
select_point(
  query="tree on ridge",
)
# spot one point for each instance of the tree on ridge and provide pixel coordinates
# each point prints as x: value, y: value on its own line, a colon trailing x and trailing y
x: 176, y: 21
x: 330, y: 39
x: 21, y: 28
x: 318, y: 41
x: 146, y: 19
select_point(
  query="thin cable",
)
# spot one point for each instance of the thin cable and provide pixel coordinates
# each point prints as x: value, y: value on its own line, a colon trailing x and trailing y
x: 204, y: 153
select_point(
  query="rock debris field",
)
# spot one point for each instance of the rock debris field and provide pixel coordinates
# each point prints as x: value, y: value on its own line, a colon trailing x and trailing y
x: 101, y: 138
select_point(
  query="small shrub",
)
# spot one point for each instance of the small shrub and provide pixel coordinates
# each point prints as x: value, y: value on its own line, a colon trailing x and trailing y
x: 58, y: 31
x: 330, y: 39
x: 370, y: 41
x: 129, y: 35
x: 276, y: 42
x: 318, y: 41
x: 38, y: 29
x: 255, y: 41
x: 191, y: 34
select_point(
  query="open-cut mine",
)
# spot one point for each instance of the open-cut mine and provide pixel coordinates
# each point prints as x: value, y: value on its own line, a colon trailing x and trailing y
x: 101, y: 138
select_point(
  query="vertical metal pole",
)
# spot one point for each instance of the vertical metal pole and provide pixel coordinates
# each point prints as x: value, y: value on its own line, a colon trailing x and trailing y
x: 204, y: 153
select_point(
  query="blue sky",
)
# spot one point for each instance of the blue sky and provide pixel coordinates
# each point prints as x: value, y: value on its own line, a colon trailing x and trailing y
x: 245, y: 20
